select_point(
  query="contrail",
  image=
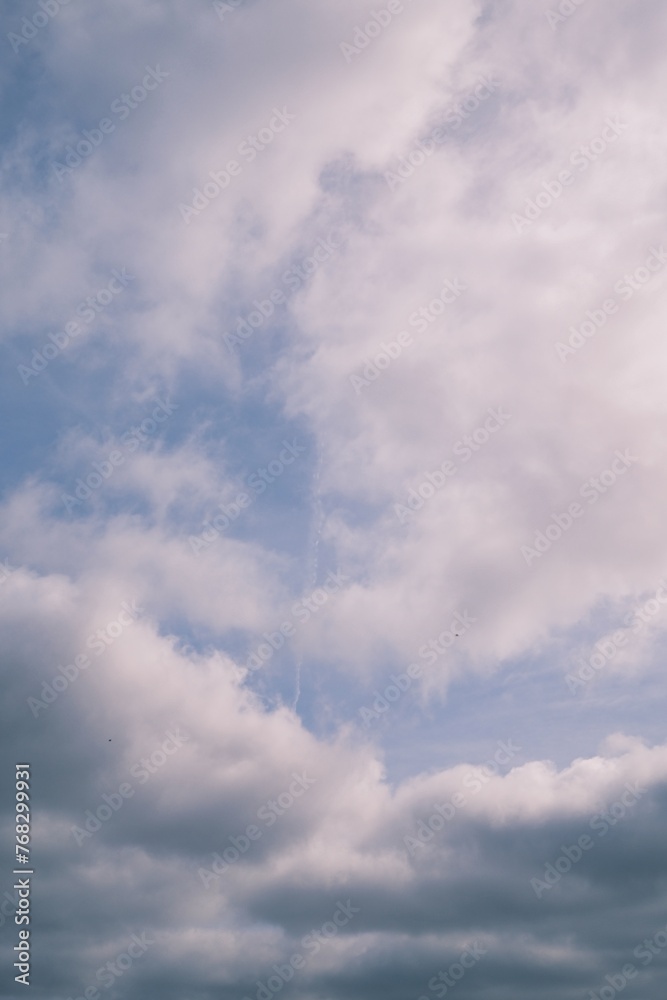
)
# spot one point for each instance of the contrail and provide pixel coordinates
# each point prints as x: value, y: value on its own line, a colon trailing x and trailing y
x: 316, y: 526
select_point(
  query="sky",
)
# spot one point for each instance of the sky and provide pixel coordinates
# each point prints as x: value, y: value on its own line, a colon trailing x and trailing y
x: 333, y: 578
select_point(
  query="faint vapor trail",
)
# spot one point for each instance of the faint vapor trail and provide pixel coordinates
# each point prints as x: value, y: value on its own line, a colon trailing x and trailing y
x: 316, y: 525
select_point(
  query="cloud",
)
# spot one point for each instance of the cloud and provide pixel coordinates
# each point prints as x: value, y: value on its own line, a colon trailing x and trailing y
x: 470, y: 382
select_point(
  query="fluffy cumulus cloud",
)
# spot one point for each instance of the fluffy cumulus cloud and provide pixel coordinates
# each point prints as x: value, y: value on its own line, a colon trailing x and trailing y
x: 332, y: 594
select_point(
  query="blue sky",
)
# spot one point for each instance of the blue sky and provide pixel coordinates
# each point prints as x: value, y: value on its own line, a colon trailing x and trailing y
x: 390, y: 384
